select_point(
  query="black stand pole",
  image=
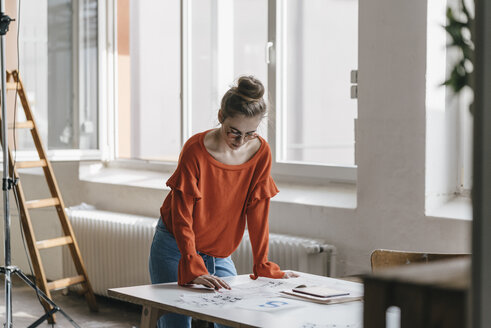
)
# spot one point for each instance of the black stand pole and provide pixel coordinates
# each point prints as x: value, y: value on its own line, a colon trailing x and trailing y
x: 56, y: 308
x: 7, y: 184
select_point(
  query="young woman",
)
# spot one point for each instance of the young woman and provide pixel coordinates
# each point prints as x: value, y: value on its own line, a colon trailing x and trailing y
x: 221, y: 182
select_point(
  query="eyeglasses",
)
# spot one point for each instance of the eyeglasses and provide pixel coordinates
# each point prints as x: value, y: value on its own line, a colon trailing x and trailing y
x: 237, y: 135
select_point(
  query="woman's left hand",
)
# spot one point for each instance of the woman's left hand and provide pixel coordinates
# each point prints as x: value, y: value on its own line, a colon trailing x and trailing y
x: 289, y: 274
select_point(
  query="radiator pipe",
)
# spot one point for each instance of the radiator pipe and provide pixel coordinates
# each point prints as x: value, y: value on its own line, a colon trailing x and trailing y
x: 316, y: 249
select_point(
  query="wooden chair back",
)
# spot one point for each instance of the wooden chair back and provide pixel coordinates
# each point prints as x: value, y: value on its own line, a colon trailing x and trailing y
x: 384, y: 258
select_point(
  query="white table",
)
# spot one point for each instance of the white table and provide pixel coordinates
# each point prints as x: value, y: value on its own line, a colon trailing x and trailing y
x: 159, y: 299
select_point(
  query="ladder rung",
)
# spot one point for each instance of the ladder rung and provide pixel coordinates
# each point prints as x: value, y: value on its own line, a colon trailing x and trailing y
x: 42, y: 203
x: 48, y: 243
x: 65, y: 282
x: 12, y: 85
x: 22, y: 125
x: 29, y: 164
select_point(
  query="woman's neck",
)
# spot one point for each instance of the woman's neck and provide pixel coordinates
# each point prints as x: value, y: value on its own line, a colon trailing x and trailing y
x: 218, y: 148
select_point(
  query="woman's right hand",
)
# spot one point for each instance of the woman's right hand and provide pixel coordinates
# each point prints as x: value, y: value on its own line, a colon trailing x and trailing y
x: 211, y: 282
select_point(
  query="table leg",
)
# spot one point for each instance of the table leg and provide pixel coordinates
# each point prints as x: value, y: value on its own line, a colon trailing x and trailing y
x: 150, y: 315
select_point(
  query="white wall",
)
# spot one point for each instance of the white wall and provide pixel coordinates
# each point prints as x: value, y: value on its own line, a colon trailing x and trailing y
x: 390, y: 140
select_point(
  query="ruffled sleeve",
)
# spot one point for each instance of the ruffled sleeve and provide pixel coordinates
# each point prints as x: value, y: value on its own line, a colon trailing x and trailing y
x: 185, y: 178
x: 267, y: 269
x: 257, y: 223
x: 185, y: 182
x: 185, y: 192
x: 191, y: 264
x: 190, y: 267
x: 264, y: 190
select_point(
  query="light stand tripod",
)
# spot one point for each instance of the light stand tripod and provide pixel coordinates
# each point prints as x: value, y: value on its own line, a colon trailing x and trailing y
x: 7, y: 184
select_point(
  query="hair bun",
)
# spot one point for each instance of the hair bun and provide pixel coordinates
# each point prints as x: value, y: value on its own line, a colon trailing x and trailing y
x: 250, y: 87
x: 244, y: 98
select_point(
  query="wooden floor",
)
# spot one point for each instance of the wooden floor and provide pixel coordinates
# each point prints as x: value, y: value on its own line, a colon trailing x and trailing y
x: 26, y: 309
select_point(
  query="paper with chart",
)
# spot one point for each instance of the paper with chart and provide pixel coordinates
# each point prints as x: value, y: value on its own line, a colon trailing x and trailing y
x: 262, y: 288
x: 212, y: 299
x: 263, y: 294
x: 272, y: 304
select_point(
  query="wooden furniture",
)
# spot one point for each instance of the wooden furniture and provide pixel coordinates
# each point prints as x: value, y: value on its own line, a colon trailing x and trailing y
x: 384, y: 258
x: 161, y: 298
x: 55, y: 200
x: 429, y: 295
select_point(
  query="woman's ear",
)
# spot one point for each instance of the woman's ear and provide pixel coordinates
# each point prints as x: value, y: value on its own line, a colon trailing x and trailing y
x: 220, y: 116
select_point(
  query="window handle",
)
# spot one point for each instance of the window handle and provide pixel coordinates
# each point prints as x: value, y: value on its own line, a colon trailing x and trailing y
x: 354, y: 84
x: 269, y: 45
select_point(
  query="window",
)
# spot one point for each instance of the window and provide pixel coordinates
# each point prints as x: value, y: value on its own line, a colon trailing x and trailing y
x: 224, y: 39
x: 59, y: 67
x: 448, y: 119
x: 149, y: 80
x: 176, y: 84
x: 221, y: 39
x: 316, y: 45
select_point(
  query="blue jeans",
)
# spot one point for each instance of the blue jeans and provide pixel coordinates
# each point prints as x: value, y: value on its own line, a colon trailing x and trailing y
x: 164, y: 259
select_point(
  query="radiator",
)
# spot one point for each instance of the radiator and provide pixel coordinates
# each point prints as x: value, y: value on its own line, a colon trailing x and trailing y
x: 115, y: 249
x: 290, y: 252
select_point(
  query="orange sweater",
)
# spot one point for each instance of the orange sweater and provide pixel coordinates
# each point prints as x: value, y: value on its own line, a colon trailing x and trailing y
x: 209, y: 204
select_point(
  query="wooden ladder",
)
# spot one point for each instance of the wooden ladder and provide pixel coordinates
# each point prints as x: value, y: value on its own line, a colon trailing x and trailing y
x: 14, y: 83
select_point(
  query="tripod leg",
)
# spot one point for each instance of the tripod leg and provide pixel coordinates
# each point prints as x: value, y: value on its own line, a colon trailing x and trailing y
x: 44, y: 317
x: 55, y: 308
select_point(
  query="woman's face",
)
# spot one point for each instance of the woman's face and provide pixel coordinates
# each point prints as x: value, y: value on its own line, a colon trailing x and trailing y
x: 238, y: 130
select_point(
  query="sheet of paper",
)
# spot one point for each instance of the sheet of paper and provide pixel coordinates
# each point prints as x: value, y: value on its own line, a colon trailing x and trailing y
x: 269, y: 304
x: 265, y: 287
x: 215, y: 299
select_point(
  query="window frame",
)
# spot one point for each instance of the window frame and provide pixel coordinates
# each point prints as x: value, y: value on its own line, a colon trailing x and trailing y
x: 186, y: 71
x: 448, y: 133
x: 107, y: 80
x: 276, y: 87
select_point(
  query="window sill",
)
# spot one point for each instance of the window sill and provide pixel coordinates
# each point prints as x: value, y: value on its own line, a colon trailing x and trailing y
x: 342, y: 195
x: 99, y: 173
x: 457, y: 207
x: 331, y: 195
x: 60, y: 155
